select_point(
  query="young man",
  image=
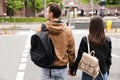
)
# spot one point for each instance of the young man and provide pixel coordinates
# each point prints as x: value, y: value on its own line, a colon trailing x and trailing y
x: 63, y: 42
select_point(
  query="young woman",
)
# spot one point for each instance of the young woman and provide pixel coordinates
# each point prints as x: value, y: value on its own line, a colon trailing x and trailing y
x: 101, y: 44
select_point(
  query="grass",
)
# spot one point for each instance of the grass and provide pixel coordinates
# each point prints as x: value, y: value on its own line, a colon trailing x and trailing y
x: 110, y: 5
x: 84, y: 1
x: 88, y: 1
x: 98, y: 1
x: 23, y: 19
x: 113, y: 6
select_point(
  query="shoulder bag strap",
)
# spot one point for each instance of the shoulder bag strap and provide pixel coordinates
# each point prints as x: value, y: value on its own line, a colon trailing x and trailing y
x: 88, y: 44
x: 44, y: 29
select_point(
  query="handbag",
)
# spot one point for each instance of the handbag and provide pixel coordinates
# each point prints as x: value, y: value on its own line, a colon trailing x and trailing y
x: 89, y: 63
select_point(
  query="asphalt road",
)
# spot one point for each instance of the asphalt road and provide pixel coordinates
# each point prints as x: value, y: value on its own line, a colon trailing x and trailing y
x: 15, y: 63
x: 11, y: 48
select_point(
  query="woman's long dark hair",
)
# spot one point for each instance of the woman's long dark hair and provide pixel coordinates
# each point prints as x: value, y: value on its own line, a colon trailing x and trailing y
x: 96, y: 31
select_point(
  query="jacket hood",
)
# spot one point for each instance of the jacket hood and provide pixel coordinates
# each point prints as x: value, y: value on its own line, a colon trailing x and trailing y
x: 55, y: 27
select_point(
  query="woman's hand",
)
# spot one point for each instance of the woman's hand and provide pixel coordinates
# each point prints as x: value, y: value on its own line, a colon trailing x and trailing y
x: 70, y: 73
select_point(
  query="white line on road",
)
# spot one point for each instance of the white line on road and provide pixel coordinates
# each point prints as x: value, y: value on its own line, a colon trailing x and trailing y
x: 22, y: 66
x: 26, y: 51
x: 116, y: 56
x: 27, y: 47
x: 20, y: 75
x: 115, y: 38
x: 25, y: 54
x: 84, y: 31
x: 22, y: 33
x: 23, y: 60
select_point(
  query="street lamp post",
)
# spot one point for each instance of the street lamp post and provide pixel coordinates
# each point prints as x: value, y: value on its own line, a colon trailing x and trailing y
x: 44, y: 7
x: 92, y: 7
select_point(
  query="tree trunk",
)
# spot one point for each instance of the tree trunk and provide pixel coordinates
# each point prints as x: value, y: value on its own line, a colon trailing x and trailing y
x: 108, y: 1
x: 113, y: 1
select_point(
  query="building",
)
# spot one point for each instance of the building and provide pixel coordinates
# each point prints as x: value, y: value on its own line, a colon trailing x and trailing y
x: 1, y: 7
x: 3, y: 4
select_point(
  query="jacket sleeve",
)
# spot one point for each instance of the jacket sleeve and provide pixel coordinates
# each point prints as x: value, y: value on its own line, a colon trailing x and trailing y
x: 71, y: 49
x: 82, y: 48
x: 109, y: 57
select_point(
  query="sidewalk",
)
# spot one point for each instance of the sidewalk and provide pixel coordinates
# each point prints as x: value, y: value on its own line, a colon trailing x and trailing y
x: 84, y: 18
x: 113, y: 31
x: 79, y: 23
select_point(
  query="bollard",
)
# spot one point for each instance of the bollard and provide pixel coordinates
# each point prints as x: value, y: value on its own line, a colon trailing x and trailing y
x: 108, y: 25
x: 75, y: 13
x: 12, y: 30
x: 116, y: 30
x: 4, y: 30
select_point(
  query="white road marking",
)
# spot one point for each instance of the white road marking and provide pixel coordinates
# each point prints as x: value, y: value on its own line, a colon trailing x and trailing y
x: 115, y: 38
x: 23, y: 60
x: 25, y: 55
x: 22, y: 33
x: 27, y: 46
x: 84, y: 31
x: 22, y: 66
x: 116, y: 56
x: 26, y: 51
x: 20, y: 75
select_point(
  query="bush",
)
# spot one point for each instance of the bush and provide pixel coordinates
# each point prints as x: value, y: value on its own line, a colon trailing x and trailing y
x: 23, y: 19
x: 113, y: 6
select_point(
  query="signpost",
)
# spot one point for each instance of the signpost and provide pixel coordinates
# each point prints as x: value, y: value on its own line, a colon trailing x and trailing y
x: 44, y: 7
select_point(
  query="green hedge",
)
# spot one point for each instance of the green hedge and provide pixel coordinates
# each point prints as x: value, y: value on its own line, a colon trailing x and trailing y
x: 23, y: 19
x: 113, y: 6
x: 88, y: 1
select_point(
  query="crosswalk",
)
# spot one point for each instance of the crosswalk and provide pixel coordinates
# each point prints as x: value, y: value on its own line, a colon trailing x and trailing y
x: 83, y: 31
x: 23, y: 61
x: 74, y: 31
x: 24, y: 57
x: 80, y: 32
x: 21, y: 66
x: 24, y: 32
x: 115, y: 56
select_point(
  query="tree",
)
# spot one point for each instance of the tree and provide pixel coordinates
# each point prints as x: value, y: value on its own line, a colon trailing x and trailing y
x: 114, y: 1
x: 59, y: 2
x: 38, y: 5
x: 35, y: 5
x: 108, y: 1
x: 13, y: 6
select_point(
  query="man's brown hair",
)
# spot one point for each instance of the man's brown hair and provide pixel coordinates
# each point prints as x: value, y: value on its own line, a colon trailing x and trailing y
x: 55, y: 9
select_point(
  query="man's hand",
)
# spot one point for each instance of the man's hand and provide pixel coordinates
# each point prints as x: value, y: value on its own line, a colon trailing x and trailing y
x: 71, y: 74
x: 38, y: 29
